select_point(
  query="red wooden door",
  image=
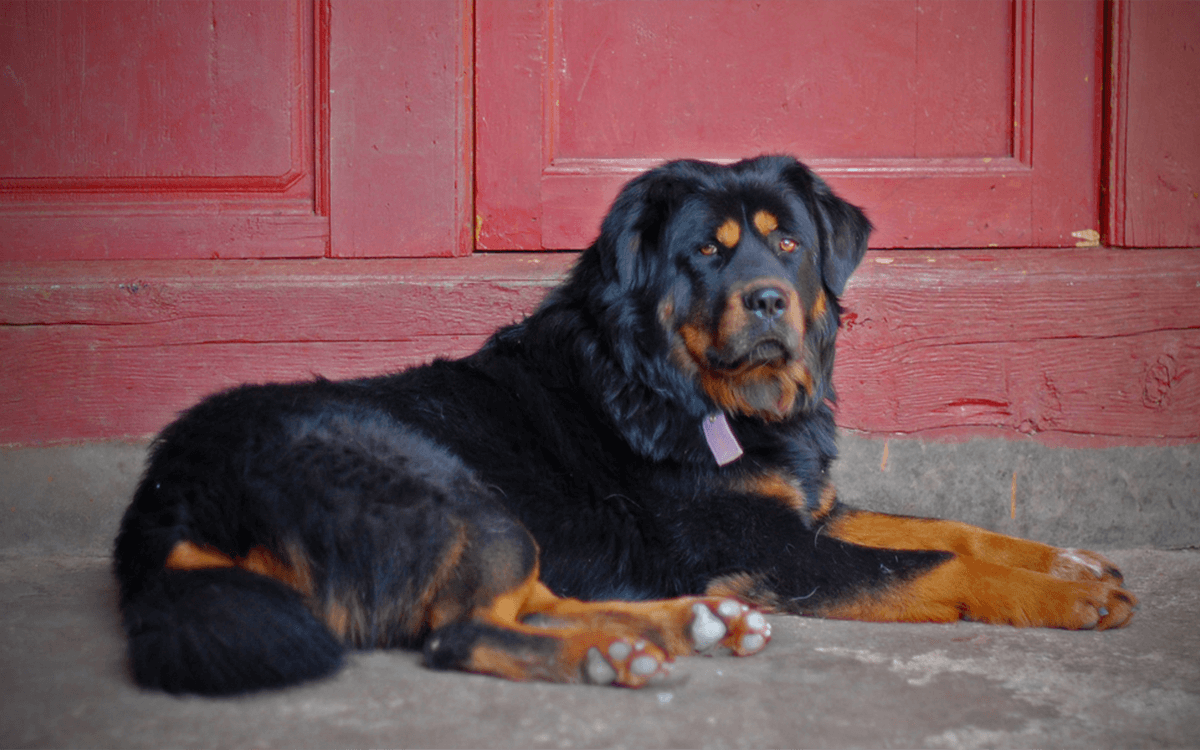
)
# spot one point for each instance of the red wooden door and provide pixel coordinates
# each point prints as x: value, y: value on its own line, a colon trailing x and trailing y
x: 239, y: 128
x: 1154, y: 124
x: 955, y: 124
x: 299, y: 128
x: 158, y: 130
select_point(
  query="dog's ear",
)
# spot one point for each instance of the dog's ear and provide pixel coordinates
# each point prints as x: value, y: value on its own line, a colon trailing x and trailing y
x: 633, y: 227
x: 843, y: 227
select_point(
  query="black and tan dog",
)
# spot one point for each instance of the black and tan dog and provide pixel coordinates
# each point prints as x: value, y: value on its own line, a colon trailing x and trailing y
x: 653, y: 442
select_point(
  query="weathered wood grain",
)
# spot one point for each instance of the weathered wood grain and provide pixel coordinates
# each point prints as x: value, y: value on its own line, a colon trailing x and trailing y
x: 1075, y: 347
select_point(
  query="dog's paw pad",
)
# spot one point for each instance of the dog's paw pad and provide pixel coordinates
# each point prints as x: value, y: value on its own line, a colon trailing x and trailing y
x: 751, y: 643
x: 731, y: 625
x: 624, y: 663
x: 597, y: 670
x: 706, y: 629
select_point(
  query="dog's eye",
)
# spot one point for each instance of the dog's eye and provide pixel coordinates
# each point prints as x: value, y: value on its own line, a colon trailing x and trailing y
x: 709, y: 249
x: 787, y: 245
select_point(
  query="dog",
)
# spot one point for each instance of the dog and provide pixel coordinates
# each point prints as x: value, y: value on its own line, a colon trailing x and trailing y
x: 602, y: 487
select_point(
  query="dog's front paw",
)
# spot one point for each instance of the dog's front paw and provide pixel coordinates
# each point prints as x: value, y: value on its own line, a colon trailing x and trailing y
x: 1098, y: 606
x: 1106, y: 604
x: 728, y: 624
x: 1072, y: 564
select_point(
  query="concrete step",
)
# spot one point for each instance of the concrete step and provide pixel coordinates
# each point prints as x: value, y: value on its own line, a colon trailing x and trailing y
x: 69, y: 499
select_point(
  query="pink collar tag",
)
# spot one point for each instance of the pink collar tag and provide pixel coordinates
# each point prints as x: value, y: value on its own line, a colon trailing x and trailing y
x: 721, y: 440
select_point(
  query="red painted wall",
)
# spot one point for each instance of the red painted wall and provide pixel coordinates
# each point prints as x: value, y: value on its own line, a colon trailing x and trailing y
x: 1074, y: 347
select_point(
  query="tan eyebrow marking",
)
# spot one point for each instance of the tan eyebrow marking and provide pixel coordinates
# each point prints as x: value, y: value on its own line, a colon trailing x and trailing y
x: 765, y: 222
x: 729, y: 233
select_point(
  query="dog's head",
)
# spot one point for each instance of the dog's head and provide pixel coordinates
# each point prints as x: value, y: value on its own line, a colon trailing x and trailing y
x: 724, y: 280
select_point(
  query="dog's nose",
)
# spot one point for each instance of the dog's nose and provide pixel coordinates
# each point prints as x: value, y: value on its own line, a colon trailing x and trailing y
x: 766, y: 302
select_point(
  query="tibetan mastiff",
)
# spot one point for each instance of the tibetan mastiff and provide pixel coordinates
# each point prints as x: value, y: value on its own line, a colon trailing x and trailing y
x: 603, y: 486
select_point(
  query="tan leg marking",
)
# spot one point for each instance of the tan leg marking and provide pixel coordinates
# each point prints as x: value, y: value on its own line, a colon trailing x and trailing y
x: 188, y: 555
x: 992, y: 578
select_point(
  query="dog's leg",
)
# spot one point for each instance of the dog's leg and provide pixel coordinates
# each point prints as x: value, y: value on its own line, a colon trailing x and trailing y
x: 969, y: 588
x: 523, y: 653
x: 529, y: 633
x: 688, y: 625
x: 992, y: 577
x: 901, y: 532
x: 495, y: 638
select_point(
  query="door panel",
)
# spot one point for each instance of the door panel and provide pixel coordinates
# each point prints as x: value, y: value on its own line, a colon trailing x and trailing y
x: 713, y: 76
x: 400, y: 128
x: 924, y: 113
x: 132, y: 91
x: 132, y: 129
x: 136, y: 129
x: 1154, y: 107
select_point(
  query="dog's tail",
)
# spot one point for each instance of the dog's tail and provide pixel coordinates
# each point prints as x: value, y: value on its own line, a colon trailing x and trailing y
x: 222, y: 631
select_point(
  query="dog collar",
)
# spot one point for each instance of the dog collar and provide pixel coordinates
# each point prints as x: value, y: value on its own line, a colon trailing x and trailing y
x: 721, y: 440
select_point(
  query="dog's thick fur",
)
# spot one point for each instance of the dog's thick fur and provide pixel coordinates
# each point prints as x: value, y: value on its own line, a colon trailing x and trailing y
x: 451, y: 506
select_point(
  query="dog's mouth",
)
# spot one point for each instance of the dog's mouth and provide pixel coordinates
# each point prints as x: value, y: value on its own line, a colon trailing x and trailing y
x: 763, y: 375
x: 765, y: 352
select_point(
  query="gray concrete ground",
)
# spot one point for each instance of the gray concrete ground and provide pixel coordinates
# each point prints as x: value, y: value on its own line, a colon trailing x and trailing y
x: 819, y: 684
